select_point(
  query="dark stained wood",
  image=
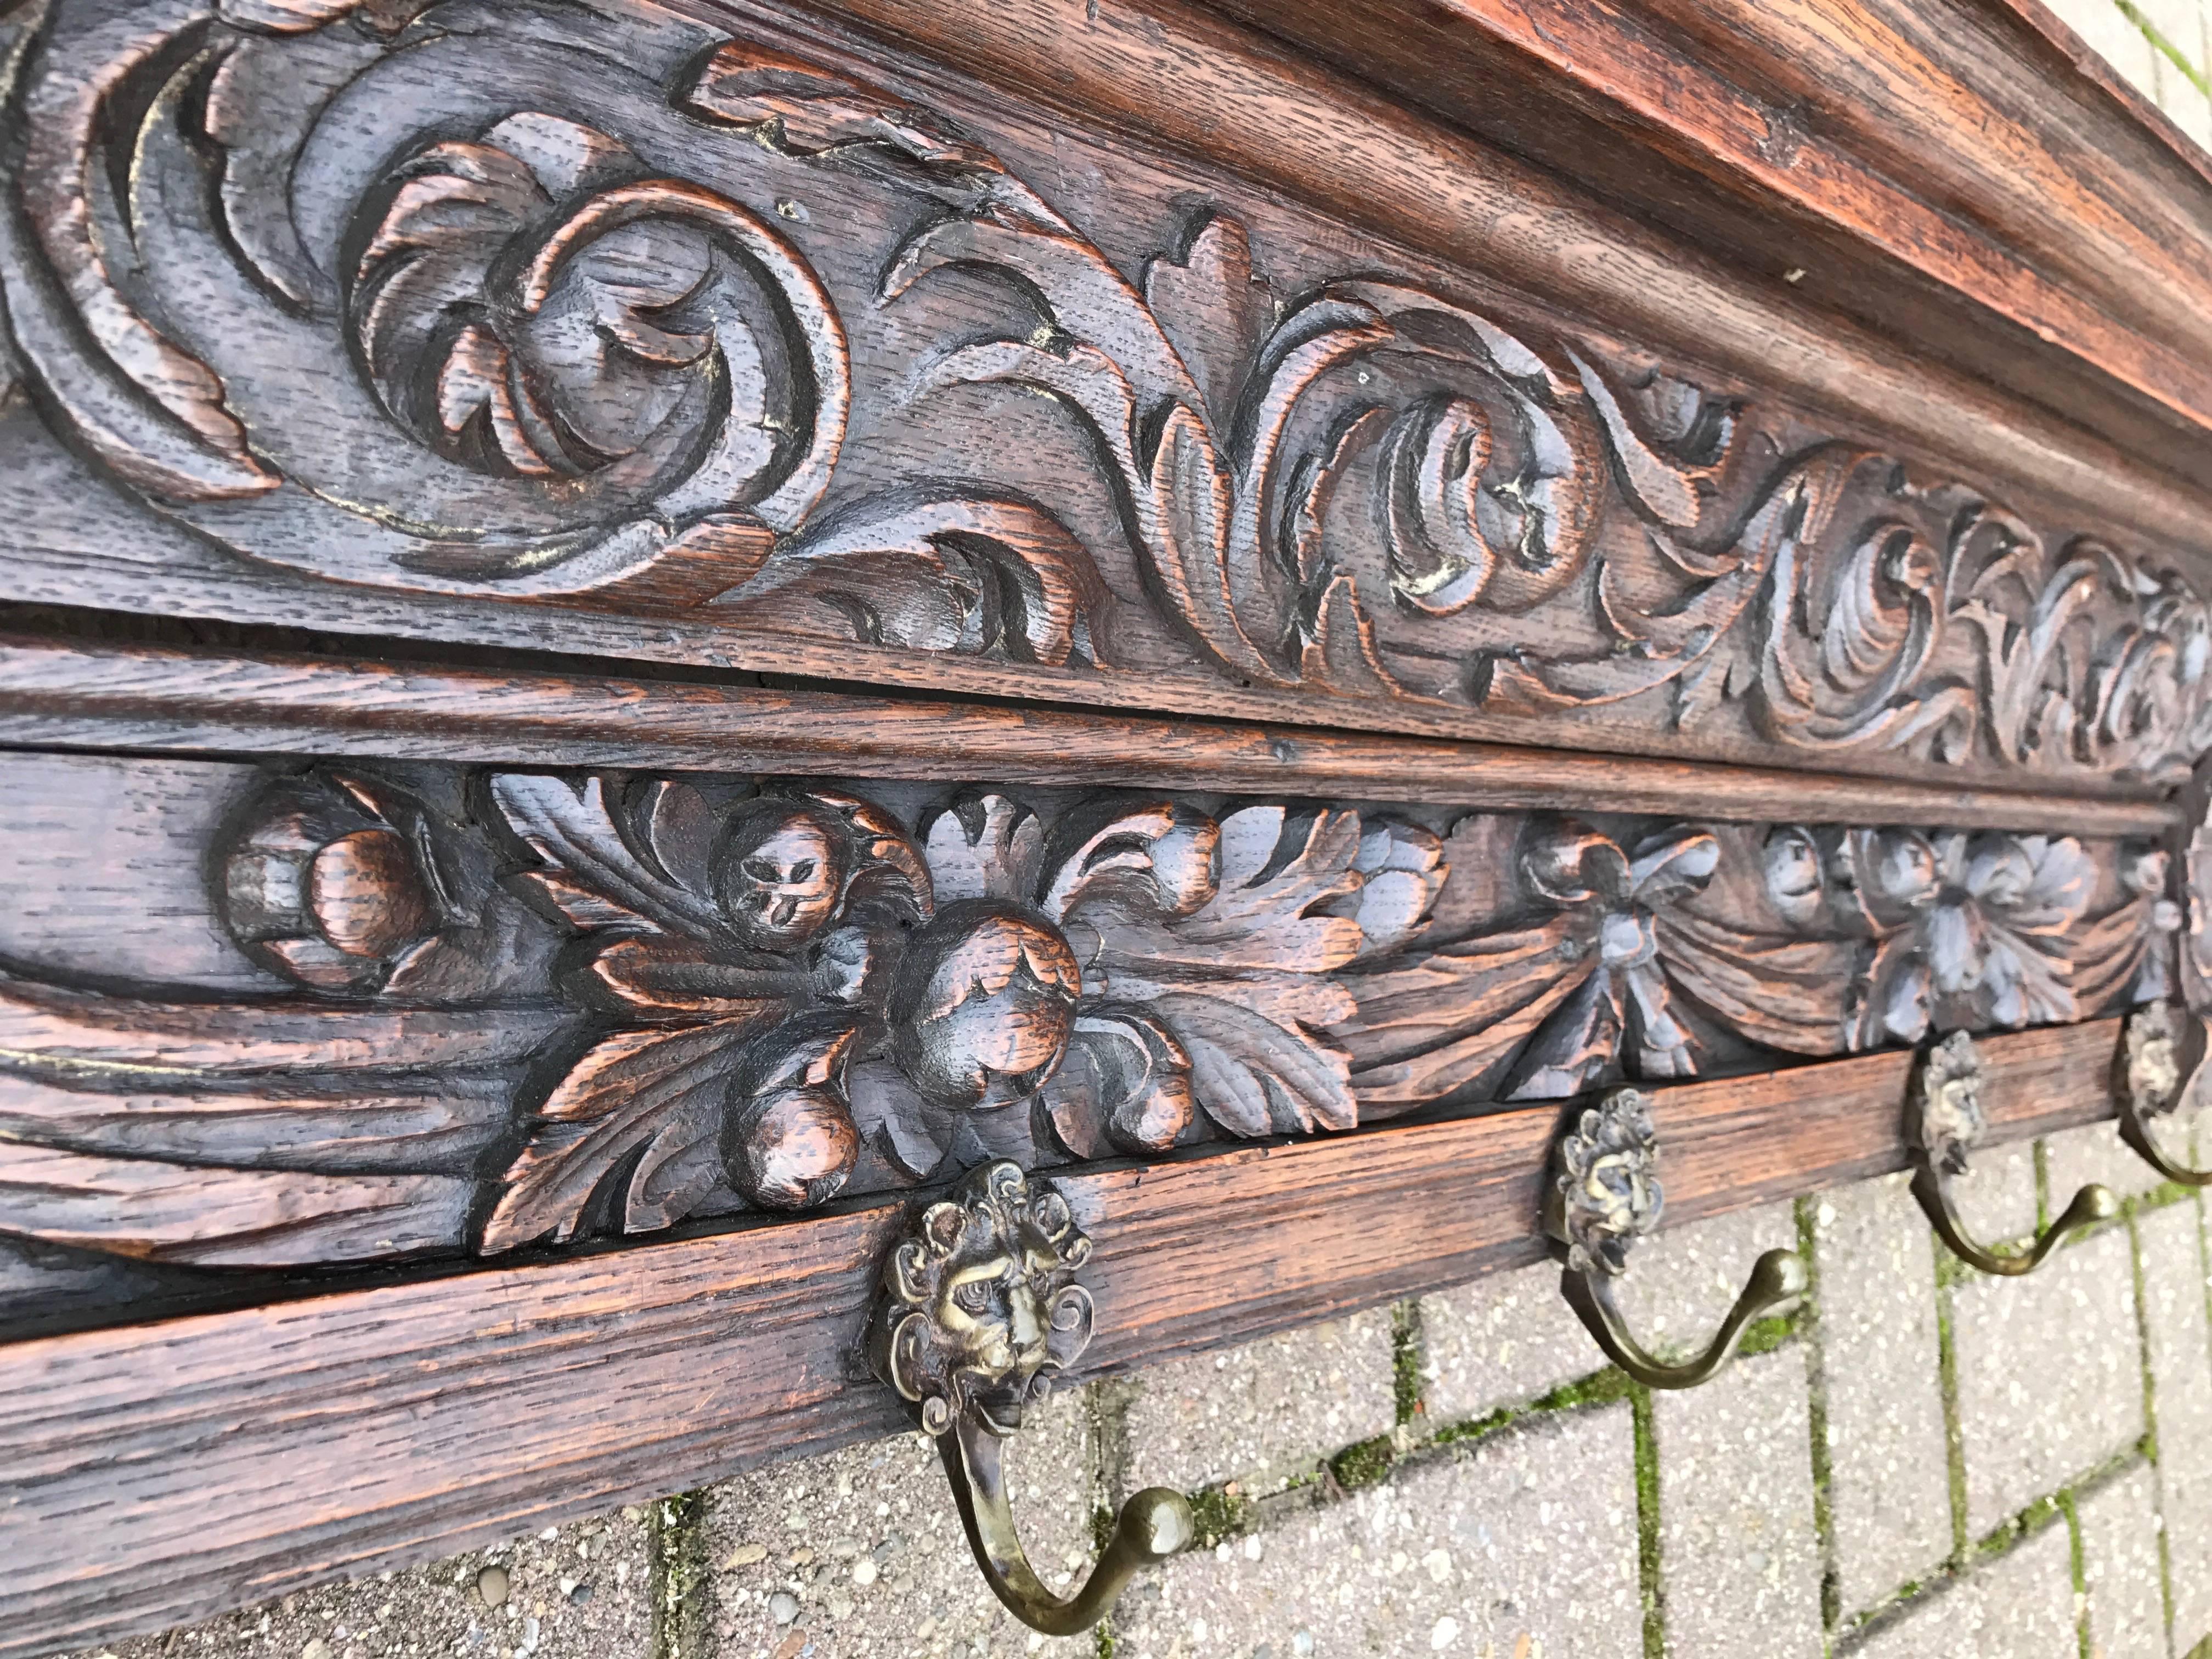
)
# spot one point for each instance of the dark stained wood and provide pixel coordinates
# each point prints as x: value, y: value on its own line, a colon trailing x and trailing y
x: 1769, y: 430
x: 1359, y: 153
x: 69, y: 694
x: 507, y: 1008
x: 1963, y: 176
x: 946, y: 407
x: 288, y: 1444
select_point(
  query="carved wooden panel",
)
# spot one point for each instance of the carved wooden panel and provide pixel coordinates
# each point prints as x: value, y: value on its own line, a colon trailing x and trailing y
x: 346, y: 1012
x: 423, y: 318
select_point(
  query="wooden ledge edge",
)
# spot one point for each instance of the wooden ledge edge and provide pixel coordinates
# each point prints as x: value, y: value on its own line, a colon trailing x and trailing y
x: 71, y: 696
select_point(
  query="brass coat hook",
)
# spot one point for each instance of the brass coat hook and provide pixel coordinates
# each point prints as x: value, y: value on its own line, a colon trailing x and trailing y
x: 979, y: 1308
x: 1943, y: 1120
x: 2148, y: 1083
x: 1603, y: 1196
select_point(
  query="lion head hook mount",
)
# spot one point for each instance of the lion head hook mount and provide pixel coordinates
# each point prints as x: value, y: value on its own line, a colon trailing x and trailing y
x: 2148, y: 1081
x: 1604, y: 1195
x: 979, y: 1309
x: 1943, y: 1120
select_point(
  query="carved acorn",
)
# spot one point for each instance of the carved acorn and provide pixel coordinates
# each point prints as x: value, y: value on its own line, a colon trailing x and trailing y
x: 983, y: 1004
x: 323, y: 887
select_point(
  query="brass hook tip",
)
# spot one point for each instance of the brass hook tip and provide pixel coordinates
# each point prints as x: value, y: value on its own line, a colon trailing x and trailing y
x: 2095, y: 1202
x: 1157, y: 1523
x: 1776, y: 1276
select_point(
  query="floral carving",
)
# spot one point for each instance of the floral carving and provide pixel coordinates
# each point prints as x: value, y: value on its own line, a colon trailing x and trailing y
x: 1565, y: 983
x: 526, y: 1007
x: 747, y: 938
x: 1970, y: 928
x: 378, y: 299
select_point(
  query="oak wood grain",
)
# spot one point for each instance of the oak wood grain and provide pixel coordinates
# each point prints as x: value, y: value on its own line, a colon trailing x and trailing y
x: 78, y: 695
x: 1535, y: 470
x: 1957, y: 174
x: 1267, y: 111
x: 344, y: 1434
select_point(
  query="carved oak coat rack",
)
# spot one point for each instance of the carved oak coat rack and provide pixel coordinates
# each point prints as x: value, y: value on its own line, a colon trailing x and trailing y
x: 860, y: 688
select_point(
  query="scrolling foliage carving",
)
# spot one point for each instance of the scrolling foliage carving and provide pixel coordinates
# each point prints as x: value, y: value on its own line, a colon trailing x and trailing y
x: 601, y: 305
x: 534, y: 1007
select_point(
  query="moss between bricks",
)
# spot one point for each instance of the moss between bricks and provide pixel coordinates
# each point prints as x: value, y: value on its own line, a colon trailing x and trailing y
x: 1947, y: 1270
x: 1216, y: 1513
x: 2001, y: 1539
x: 1364, y: 1464
x: 1816, y: 1410
x: 676, y: 1545
x: 1406, y: 1357
x: 2133, y: 1212
x: 1647, y: 1523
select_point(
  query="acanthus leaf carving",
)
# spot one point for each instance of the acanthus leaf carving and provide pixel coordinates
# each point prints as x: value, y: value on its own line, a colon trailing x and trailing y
x: 383, y: 300
x: 538, y: 1007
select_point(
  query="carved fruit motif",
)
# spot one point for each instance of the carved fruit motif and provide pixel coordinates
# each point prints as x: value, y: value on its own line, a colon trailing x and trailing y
x: 354, y: 884
x: 683, y: 996
x: 983, y: 1005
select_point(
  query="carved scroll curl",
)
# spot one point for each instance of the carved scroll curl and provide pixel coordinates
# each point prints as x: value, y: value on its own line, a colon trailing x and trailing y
x: 602, y: 305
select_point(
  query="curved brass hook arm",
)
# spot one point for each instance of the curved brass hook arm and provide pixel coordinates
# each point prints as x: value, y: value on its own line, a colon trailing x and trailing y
x: 1932, y: 1187
x: 978, y: 1307
x: 2149, y: 1085
x: 1775, y: 1278
x: 1153, y: 1525
x: 1942, y: 1121
x: 1604, y: 1195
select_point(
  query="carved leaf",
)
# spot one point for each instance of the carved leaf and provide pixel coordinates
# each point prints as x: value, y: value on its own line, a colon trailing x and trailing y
x: 980, y: 572
x: 1278, y: 873
x: 660, y: 1091
x: 1579, y: 1040
x: 63, y: 1025
x: 1159, y: 858
x: 1428, y: 1028
x: 1189, y: 543
x: 382, y: 1124
x: 1254, y: 1077
x: 1793, y: 995
x: 1401, y: 871
x: 592, y: 876
x: 1433, y: 456
x: 812, y: 109
x: 1665, y: 491
x: 1212, y: 304
x: 1125, y: 1086
x: 984, y: 846
x: 659, y: 979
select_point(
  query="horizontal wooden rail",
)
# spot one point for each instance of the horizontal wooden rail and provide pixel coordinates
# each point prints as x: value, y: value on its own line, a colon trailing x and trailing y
x: 60, y: 694
x: 154, y: 1475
